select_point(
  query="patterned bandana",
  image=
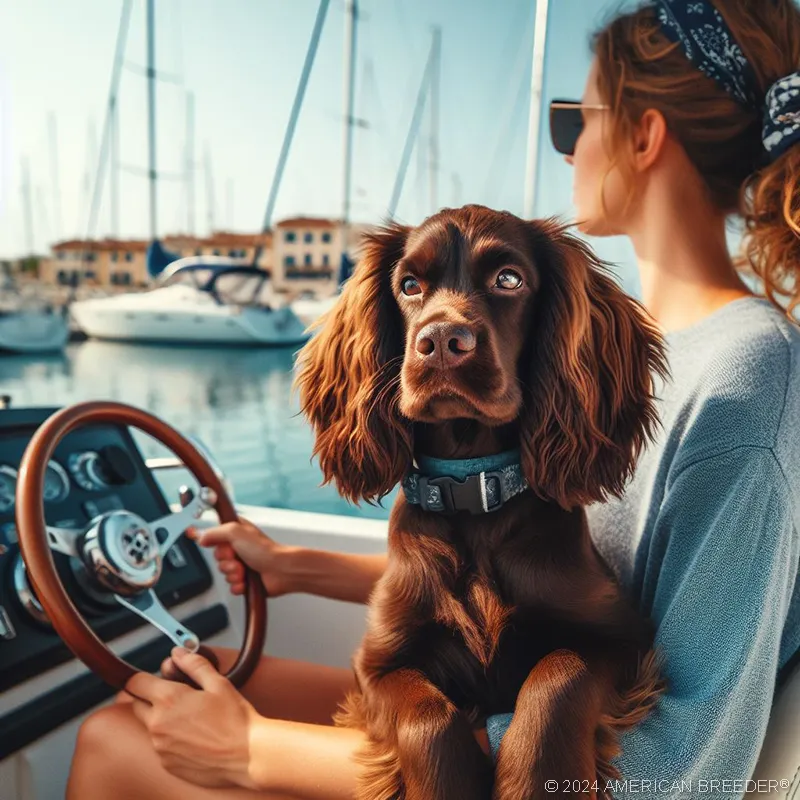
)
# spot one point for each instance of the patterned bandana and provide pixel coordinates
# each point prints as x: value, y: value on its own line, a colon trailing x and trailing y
x: 782, y: 116
x: 709, y: 44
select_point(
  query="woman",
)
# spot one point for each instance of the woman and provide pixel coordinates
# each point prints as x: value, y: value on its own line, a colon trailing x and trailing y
x: 691, y: 113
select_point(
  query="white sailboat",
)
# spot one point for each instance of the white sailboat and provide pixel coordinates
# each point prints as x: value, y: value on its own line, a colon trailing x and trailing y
x: 32, y: 331
x: 28, y: 329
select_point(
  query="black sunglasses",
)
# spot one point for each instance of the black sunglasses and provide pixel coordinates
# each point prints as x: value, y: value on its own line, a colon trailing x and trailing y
x: 566, y: 123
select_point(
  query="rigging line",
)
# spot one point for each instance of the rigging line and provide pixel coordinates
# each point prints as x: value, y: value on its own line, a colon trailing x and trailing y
x: 143, y: 172
x: 178, y: 33
x: 116, y: 73
x: 293, y: 117
x: 166, y: 77
x: 413, y: 132
x: 498, y: 166
x: 502, y: 146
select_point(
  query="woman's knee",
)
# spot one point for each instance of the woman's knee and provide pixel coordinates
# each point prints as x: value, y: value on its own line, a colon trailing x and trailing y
x: 105, y: 753
x: 109, y: 738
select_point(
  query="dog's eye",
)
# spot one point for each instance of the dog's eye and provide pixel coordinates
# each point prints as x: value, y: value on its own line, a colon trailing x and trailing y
x: 508, y: 279
x: 410, y: 287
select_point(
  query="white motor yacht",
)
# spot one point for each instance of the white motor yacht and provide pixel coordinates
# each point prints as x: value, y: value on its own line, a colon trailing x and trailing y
x: 199, y: 300
x: 309, y: 308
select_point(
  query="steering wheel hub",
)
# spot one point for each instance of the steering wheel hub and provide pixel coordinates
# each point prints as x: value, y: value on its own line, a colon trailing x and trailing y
x: 122, y: 553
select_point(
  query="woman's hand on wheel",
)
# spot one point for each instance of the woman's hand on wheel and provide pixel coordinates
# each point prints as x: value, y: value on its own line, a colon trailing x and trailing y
x: 202, y: 736
x: 253, y: 547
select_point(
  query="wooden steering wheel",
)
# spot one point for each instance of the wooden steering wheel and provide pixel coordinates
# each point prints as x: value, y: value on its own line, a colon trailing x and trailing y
x: 121, y: 551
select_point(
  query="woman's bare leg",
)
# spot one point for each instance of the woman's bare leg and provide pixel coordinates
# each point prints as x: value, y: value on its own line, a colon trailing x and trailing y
x: 115, y: 758
x: 281, y: 688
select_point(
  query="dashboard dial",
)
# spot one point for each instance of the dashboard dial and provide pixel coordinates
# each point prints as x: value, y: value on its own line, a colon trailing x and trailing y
x: 8, y: 488
x: 56, y: 483
x: 88, y: 470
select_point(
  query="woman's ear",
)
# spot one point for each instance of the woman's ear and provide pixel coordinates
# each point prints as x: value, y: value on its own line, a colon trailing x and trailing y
x: 592, y: 355
x: 649, y: 138
x: 349, y: 374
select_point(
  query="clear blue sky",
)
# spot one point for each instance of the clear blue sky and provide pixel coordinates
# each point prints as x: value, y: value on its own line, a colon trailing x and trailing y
x: 242, y: 60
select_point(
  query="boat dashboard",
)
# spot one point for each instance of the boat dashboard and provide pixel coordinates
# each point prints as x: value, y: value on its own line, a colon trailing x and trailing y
x: 94, y: 470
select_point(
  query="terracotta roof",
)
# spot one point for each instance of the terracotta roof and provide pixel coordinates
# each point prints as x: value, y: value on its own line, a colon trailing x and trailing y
x: 217, y: 239
x: 138, y: 245
x: 307, y: 222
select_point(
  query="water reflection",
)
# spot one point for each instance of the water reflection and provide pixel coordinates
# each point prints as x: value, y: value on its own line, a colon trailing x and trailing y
x: 238, y: 401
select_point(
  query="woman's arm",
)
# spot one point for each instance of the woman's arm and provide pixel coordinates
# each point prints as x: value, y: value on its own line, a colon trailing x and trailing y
x: 285, y: 569
x: 312, y: 762
x: 338, y: 576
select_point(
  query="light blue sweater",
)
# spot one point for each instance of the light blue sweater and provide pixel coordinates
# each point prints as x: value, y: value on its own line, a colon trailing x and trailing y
x: 706, y: 542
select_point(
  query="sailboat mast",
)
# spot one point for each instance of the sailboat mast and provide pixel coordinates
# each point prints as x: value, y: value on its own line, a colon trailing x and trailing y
x: 190, y: 163
x: 27, y: 206
x: 436, y: 71
x: 114, y: 166
x: 57, y: 222
x: 351, y: 17
x: 535, y: 115
x: 151, y: 116
x: 211, y: 203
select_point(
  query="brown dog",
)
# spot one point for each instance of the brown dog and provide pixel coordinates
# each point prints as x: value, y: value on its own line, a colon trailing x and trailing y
x: 476, y: 334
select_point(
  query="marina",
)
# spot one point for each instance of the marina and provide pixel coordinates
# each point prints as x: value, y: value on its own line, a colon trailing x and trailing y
x: 232, y: 160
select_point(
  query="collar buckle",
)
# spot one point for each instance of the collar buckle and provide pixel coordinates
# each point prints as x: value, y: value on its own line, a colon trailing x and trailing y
x: 478, y: 494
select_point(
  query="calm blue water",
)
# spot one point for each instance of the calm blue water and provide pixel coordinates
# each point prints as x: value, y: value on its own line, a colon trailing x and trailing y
x: 237, y: 401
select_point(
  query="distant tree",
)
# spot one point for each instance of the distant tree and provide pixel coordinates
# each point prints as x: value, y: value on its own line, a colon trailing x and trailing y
x: 30, y: 264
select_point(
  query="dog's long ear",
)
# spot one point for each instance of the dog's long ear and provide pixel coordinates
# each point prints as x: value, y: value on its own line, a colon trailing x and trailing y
x: 592, y: 354
x: 349, y: 375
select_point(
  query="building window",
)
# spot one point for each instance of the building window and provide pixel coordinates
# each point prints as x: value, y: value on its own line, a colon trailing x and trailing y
x: 89, y: 275
x: 61, y: 255
x: 290, y: 236
x: 198, y: 251
x: 326, y: 261
x: 129, y: 256
x: 63, y: 278
x: 115, y: 256
x: 91, y: 256
x: 233, y: 253
x: 307, y: 259
x: 121, y: 278
x: 288, y: 261
x: 308, y: 237
x: 215, y: 251
x: 326, y: 237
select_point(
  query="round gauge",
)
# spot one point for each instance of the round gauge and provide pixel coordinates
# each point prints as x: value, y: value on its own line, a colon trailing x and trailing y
x: 8, y: 488
x: 56, y: 483
x: 88, y: 470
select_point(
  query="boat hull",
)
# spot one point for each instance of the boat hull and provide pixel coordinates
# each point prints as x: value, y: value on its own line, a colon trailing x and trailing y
x: 310, y: 310
x: 33, y: 332
x: 218, y: 325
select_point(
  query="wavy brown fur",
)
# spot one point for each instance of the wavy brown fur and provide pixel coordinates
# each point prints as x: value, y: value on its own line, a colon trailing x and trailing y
x: 509, y: 611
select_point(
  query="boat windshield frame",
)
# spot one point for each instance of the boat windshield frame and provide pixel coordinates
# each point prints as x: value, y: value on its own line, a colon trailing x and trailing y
x: 202, y: 266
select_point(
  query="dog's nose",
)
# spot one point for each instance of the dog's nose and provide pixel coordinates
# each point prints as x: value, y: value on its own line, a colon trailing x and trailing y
x: 452, y: 344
